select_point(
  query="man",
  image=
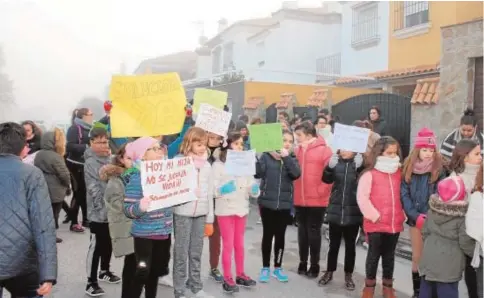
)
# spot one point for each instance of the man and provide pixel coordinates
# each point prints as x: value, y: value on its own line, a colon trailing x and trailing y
x: 28, y: 252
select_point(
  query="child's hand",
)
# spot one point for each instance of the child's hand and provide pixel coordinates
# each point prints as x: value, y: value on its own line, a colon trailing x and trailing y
x: 208, y: 230
x: 333, y: 161
x: 144, y: 204
x: 227, y: 188
x: 420, y: 221
x: 358, y: 160
x: 284, y: 152
x: 254, y: 189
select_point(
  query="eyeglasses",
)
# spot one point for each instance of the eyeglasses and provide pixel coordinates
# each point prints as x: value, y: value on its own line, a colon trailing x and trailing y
x: 157, y: 149
x: 101, y: 143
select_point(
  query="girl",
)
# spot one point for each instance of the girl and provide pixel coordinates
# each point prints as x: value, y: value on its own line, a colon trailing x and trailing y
x: 231, y: 208
x: 343, y: 214
x: 241, y: 127
x: 33, y: 135
x: 194, y: 219
x: 446, y: 241
x: 474, y: 227
x: 421, y: 172
x: 214, y: 142
x: 311, y: 196
x: 378, y: 197
x: 50, y: 159
x: 119, y: 224
x: 151, y: 229
x: 277, y: 171
x: 465, y: 161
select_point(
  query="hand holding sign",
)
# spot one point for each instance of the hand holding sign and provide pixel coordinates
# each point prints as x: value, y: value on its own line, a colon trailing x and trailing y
x: 144, y: 204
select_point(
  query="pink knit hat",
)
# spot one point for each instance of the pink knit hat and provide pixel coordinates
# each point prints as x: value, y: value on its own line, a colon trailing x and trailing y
x: 451, y: 189
x: 137, y: 149
x: 425, y: 139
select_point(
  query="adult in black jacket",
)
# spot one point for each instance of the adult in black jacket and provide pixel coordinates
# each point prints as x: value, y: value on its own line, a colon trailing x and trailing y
x: 77, y: 139
x: 277, y: 171
x: 343, y: 214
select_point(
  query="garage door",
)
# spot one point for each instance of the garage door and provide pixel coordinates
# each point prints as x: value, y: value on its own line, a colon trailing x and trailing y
x: 478, y: 95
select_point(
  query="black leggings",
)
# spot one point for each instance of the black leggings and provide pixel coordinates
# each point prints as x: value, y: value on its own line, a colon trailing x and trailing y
x: 23, y: 286
x: 152, y: 260
x: 470, y: 277
x: 79, y: 193
x: 129, y: 270
x: 56, y: 208
x: 100, y: 249
x: 274, y: 224
x: 309, y: 220
x: 349, y: 234
x: 381, y: 245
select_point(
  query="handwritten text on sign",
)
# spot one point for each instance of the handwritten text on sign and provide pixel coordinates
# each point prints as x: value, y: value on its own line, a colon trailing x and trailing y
x: 350, y: 138
x: 169, y: 182
x: 240, y: 163
x: 213, y: 119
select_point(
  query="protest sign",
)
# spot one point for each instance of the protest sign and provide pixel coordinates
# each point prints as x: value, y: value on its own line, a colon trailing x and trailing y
x: 147, y: 105
x: 240, y: 163
x: 169, y: 182
x: 213, y: 119
x: 350, y: 138
x: 265, y: 137
x: 212, y: 97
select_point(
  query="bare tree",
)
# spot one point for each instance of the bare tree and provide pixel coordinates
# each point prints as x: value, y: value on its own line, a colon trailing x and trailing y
x: 6, y: 89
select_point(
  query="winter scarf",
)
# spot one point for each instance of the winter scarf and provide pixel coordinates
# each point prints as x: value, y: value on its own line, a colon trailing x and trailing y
x: 469, y: 176
x: 423, y: 166
x: 387, y: 165
x: 82, y: 123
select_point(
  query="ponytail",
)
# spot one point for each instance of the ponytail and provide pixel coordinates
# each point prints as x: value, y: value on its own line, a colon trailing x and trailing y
x: 74, y: 116
x: 468, y: 118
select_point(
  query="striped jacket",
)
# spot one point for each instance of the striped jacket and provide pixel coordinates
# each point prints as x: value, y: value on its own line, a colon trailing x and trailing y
x: 145, y: 224
x: 448, y: 145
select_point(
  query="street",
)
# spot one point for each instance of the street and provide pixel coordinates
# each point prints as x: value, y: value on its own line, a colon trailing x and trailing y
x: 72, y: 271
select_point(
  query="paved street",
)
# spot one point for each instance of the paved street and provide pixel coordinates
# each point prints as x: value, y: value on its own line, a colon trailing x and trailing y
x: 72, y: 272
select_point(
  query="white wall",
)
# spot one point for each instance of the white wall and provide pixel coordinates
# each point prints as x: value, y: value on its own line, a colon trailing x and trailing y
x: 204, y: 66
x: 365, y: 60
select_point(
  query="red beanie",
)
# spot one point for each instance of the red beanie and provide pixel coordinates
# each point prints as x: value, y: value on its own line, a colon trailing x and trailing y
x: 451, y: 189
x: 426, y: 139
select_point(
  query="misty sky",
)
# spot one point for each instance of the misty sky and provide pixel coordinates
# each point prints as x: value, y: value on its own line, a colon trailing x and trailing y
x: 57, y: 51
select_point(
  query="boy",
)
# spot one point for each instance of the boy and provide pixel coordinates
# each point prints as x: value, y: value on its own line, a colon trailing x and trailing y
x: 100, y: 249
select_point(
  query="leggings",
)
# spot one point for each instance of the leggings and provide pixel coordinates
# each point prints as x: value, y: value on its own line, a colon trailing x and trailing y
x: 79, y: 193
x: 23, y: 286
x: 470, y: 277
x: 349, y: 234
x: 274, y: 224
x: 128, y: 276
x: 56, y: 208
x: 309, y: 220
x: 232, y: 230
x: 100, y: 250
x: 381, y: 245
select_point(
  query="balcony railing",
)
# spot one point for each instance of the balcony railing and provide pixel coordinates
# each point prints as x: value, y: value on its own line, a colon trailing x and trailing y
x: 364, y: 31
x: 408, y: 14
x: 330, y: 65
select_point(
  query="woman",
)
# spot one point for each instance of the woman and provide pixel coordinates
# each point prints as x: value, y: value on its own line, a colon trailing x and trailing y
x: 77, y: 140
x: 466, y: 130
x: 379, y: 124
x: 33, y: 135
x: 324, y: 129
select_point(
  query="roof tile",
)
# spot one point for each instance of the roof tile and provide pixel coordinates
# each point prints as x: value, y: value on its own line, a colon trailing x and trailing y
x: 318, y: 97
x: 426, y: 91
x: 285, y: 100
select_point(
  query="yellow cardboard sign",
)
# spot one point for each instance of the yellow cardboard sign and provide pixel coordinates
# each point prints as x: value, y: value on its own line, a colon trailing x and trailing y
x: 212, y: 97
x: 147, y: 105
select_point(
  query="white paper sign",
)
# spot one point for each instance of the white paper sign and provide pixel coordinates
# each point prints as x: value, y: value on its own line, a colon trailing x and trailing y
x: 240, y: 163
x: 213, y: 119
x: 169, y: 182
x: 350, y: 138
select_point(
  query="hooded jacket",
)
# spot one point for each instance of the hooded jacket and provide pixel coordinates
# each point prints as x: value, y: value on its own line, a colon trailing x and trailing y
x: 53, y: 167
x: 277, y: 175
x: 119, y: 224
x: 96, y: 208
x: 446, y: 242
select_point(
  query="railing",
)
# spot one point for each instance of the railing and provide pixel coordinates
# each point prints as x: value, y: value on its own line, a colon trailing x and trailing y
x: 330, y: 65
x: 364, y: 30
x: 409, y: 14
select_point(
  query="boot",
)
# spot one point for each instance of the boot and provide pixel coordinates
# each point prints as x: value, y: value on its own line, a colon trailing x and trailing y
x: 416, y: 284
x: 303, y: 268
x: 388, y: 291
x: 326, y: 278
x: 349, y: 283
x: 369, y: 289
x: 313, y: 271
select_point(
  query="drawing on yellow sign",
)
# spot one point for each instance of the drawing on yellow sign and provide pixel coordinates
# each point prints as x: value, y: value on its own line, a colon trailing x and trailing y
x: 147, y: 105
x: 212, y: 97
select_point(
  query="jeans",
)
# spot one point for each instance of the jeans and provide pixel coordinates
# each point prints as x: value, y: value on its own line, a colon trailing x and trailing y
x: 349, y: 234
x: 274, y: 224
x: 232, y: 230
x: 310, y: 220
x: 429, y: 289
x: 381, y: 245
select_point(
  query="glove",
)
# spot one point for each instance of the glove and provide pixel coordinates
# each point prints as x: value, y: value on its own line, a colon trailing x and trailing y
x: 333, y: 161
x: 144, y: 204
x: 358, y: 160
x: 420, y: 221
x: 254, y: 189
x: 208, y: 230
x: 227, y: 188
x: 188, y: 114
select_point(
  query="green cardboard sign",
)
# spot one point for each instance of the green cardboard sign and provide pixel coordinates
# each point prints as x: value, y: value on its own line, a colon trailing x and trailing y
x: 265, y: 137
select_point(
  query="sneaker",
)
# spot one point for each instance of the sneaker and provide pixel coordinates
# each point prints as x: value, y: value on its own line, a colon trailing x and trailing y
x: 326, y: 278
x: 216, y: 275
x: 264, y: 276
x: 245, y: 281
x: 77, y: 228
x: 229, y: 286
x: 203, y: 294
x: 279, y: 274
x: 94, y: 290
x: 109, y: 277
x: 166, y: 281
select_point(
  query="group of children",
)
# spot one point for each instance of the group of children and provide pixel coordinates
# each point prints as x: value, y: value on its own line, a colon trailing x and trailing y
x: 372, y: 190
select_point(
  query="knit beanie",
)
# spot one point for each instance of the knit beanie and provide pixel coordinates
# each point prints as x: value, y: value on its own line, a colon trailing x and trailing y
x: 425, y: 139
x: 137, y: 149
x: 451, y: 189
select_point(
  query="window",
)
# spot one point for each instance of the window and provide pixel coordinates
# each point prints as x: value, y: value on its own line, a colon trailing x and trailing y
x: 228, y: 61
x: 260, y: 53
x: 365, y: 24
x: 329, y: 66
x: 409, y: 14
x: 216, y: 60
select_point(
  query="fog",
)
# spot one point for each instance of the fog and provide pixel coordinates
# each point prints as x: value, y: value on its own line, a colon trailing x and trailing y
x: 59, y: 51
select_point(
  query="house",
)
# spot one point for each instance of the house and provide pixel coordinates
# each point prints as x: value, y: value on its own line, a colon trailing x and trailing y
x: 184, y: 63
x: 273, y: 49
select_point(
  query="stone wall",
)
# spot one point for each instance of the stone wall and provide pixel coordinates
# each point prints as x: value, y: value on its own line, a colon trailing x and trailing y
x: 460, y: 44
